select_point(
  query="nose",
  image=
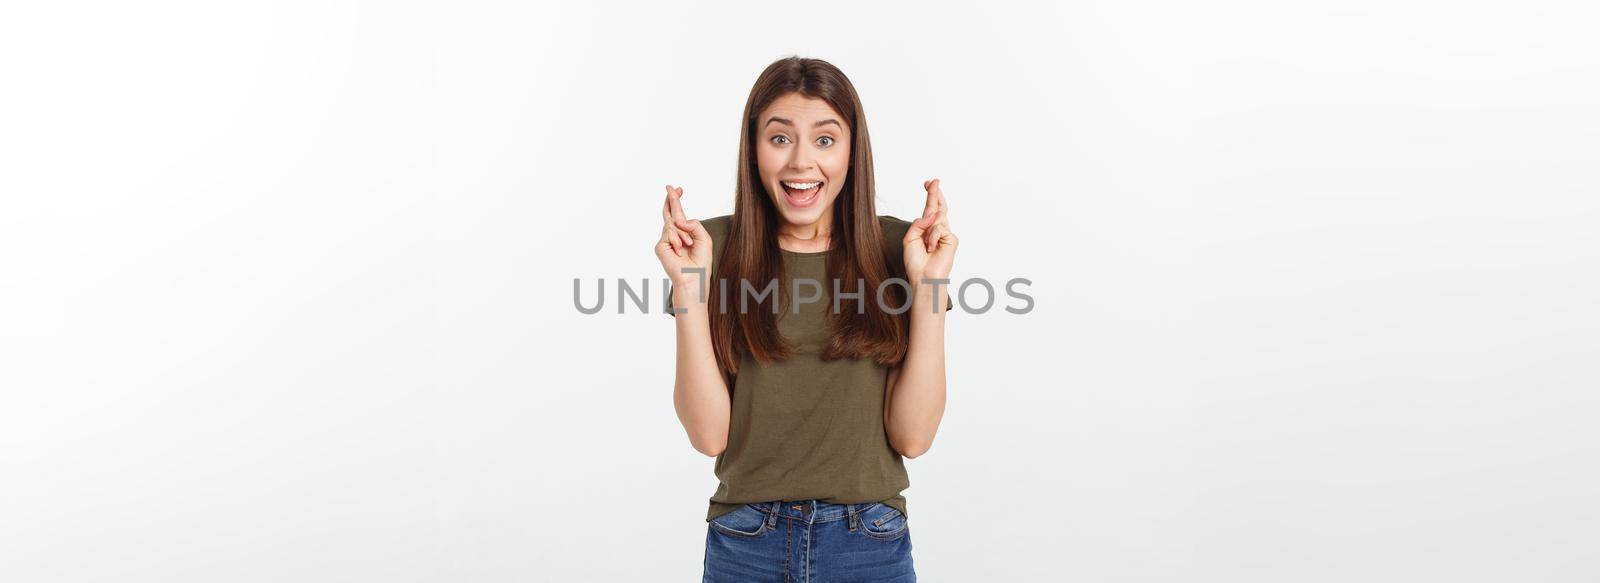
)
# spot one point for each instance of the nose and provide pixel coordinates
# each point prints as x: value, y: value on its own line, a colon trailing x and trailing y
x: 800, y: 159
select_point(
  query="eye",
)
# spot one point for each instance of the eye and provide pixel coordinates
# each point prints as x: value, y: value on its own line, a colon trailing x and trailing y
x: 825, y: 141
x: 779, y: 139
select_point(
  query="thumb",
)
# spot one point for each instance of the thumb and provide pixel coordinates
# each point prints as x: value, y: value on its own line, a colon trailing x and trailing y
x: 918, y: 227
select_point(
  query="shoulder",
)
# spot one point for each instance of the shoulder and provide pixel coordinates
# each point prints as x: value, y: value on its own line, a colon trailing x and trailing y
x: 894, y: 231
x: 894, y: 228
x: 718, y: 228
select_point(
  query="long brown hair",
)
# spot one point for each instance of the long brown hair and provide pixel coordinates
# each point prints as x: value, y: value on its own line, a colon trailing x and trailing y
x: 751, y: 252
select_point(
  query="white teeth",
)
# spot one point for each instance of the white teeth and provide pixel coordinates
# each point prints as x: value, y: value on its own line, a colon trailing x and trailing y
x: 801, y: 185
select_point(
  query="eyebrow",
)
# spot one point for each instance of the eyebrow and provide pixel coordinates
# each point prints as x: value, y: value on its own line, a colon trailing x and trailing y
x: 785, y: 121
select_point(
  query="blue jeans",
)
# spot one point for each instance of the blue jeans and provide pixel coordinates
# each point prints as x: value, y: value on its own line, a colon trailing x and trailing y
x: 809, y: 541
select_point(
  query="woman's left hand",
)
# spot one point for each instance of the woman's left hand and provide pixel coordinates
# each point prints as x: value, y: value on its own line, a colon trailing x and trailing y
x: 929, y: 246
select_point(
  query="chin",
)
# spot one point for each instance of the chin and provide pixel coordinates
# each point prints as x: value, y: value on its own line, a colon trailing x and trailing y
x: 800, y: 218
x: 803, y: 216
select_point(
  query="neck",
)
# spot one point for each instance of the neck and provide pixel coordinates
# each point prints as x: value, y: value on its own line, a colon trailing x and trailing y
x: 807, y: 238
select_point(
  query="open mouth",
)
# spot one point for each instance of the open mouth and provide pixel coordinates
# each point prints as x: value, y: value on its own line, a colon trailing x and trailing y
x: 801, y: 194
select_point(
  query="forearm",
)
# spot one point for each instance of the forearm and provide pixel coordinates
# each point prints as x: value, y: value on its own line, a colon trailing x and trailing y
x: 699, y: 393
x: 917, y: 402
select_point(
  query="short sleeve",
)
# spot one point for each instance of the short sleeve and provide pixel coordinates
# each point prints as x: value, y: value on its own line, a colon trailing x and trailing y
x: 717, y: 227
x: 894, y: 232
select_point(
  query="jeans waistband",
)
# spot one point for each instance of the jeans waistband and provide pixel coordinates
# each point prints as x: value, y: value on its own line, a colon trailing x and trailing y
x: 810, y: 510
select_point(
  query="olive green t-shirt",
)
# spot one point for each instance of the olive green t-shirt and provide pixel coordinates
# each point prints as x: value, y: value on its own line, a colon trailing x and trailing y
x: 804, y: 428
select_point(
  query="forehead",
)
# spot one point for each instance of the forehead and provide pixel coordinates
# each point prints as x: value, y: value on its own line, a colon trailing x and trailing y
x: 803, y: 111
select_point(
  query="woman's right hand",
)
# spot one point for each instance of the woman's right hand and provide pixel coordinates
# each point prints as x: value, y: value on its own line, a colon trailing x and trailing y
x: 683, y: 244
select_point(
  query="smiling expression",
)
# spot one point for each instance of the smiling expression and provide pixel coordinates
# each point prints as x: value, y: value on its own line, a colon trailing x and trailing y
x: 803, y: 155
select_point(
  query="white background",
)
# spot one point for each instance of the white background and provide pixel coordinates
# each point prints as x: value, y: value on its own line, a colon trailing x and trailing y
x: 286, y: 288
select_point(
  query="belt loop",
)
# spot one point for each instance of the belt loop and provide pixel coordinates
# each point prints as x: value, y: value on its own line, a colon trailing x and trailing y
x: 772, y: 514
x: 853, y: 516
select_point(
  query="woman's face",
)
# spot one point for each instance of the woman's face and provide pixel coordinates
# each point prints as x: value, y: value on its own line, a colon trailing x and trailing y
x: 803, y: 154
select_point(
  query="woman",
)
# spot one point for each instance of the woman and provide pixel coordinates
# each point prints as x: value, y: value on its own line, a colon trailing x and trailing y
x: 810, y: 339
